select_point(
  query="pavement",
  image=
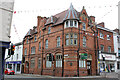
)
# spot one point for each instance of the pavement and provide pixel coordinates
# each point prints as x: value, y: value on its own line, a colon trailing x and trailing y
x: 103, y: 76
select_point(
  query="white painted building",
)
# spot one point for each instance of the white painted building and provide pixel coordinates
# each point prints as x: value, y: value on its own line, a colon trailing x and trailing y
x: 117, y: 48
x: 15, y: 61
x: 6, y: 12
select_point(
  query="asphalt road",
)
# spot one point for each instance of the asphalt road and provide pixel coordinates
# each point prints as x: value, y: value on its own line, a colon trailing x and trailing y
x: 61, y: 79
x: 30, y: 77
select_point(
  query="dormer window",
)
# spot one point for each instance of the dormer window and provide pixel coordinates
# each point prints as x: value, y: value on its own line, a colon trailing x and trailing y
x: 71, y: 23
x: 66, y: 23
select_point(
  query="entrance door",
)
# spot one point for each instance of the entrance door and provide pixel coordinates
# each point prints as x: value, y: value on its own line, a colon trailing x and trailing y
x: 89, y: 67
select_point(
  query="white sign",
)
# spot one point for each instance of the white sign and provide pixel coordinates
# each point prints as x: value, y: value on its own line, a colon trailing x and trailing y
x: 107, y: 56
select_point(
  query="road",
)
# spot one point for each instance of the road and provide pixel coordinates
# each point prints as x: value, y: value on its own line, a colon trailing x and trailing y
x: 32, y: 77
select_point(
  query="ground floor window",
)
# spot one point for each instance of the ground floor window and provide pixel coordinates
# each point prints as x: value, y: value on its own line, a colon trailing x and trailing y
x: 58, y: 60
x: 18, y: 67
x: 82, y: 63
x: 48, y: 63
x: 10, y: 66
x: 32, y: 65
x: 39, y: 62
x: 6, y: 66
x: 118, y: 65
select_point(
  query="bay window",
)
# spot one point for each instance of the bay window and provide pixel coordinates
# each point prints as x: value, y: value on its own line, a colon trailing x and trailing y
x: 71, y: 23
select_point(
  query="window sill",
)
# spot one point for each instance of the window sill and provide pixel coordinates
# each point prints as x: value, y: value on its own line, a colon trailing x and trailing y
x: 108, y: 39
x: 101, y: 38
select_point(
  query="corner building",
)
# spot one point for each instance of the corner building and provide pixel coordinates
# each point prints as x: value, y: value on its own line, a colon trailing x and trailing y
x: 68, y: 37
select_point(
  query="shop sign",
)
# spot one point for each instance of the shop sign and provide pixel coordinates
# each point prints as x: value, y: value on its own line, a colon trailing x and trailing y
x: 107, y: 56
x: 83, y: 56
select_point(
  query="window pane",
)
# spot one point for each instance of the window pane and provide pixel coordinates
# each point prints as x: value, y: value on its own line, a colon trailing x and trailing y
x: 109, y: 49
x: 71, y: 23
x: 18, y: 67
x: 39, y: 63
x: 39, y: 46
x: 75, y: 41
x: 71, y: 35
x: 67, y: 36
x: 32, y: 63
x: 75, y: 23
x: 58, y: 41
x: 75, y: 35
x: 84, y: 26
x: 49, y: 29
x: 84, y: 41
x: 46, y: 44
x: 102, y: 47
x: 67, y: 42
x: 58, y: 61
x: 66, y: 23
x: 71, y: 41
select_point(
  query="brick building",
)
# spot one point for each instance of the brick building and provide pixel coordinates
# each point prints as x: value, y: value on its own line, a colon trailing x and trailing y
x: 70, y: 37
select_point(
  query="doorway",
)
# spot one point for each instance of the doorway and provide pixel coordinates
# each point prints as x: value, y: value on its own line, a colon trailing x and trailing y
x: 89, y: 67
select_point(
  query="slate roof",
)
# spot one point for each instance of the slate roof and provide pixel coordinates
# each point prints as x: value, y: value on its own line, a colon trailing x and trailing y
x: 70, y: 13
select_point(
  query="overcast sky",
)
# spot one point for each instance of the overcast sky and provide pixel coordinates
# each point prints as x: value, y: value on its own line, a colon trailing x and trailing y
x: 28, y: 10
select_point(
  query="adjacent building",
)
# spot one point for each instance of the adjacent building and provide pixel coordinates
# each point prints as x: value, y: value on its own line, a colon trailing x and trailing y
x: 107, y: 57
x: 117, y: 48
x: 6, y: 12
x: 15, y: 61
x: 72, y: 39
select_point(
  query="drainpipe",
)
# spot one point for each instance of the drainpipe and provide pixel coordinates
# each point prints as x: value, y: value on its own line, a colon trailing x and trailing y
x: 63, y: 51
x: 29, y: 56
x: 95, y: 47
x: 42, y: 51
x: 78, y: 53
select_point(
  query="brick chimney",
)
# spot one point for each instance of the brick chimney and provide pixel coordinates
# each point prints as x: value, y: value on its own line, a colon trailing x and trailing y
x: 101, y: 24
x: 92, y: 18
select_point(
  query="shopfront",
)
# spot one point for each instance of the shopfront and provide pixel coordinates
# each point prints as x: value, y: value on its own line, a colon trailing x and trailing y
x: 14, y: 65
x: 107, y: 62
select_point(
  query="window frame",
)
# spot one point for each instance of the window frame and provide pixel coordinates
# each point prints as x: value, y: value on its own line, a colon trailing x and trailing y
x: 101, y: 47
x: 46, y: 44
x: 83, y: 62
x: 71, y: 23
x: 84, y: 41
x: 39, y: 46
x: 83, y: 26
x: 101, y: 35
x: 109, y: 49
x: 25, y: 52
x: 58, y: 60
x: 35, y: 38
x: 39, y: 62
x: 33, y: 50
x: 48, y: 63
x: 70, y: 40
x: 32, y: 63
x: 58, y: 41
x: 108, y: 37
x: 49, y: 30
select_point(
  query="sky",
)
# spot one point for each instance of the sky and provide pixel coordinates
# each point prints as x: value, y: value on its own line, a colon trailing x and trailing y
x: 27, y: 11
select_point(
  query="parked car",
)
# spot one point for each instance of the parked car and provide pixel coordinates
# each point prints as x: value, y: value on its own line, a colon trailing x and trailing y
x: 9, y: 72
